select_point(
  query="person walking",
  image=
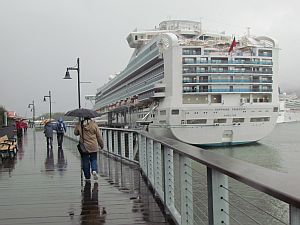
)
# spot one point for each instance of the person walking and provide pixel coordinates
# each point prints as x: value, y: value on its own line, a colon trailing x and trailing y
x: 91, y: 136
x: 48, y: 131
x: 60, y: 131
x: 19, y: 128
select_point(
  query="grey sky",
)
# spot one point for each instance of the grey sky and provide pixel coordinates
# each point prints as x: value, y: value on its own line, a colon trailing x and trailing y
x: 40, y: 38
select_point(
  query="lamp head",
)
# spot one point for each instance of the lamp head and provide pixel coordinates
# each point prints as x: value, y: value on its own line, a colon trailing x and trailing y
x: 67, y: 76
x: 44, y: 98
x: 28, y: 106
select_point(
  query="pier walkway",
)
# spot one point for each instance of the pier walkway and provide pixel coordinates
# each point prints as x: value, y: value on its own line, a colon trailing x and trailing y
x: 44, y: 187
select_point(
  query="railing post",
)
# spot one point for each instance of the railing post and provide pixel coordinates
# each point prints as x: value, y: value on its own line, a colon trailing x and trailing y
x: 123, y: 147
x: 104, y: 136
x: 158, y: 173
x: 186, y: 180
x: 150, y: 161
x: 116, y: 143
x: 130, y: 145
x: 110, y: 141
x: 294, y: 215
x: 218, y: 207
x: 142, y: 154
x: 169, y: 181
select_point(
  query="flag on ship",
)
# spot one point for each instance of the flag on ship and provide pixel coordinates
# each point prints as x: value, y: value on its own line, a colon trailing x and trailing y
x: 233, y: 44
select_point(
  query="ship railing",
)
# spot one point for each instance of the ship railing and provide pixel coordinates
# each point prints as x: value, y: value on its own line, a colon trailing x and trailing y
x: 227, y: 81
x: 198, y: 186
x: 194, y: 71
x: 226, y: 90
x: 226, y: 62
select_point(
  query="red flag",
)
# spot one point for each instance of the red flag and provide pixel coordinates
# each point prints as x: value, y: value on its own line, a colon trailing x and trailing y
x: 233, y: 44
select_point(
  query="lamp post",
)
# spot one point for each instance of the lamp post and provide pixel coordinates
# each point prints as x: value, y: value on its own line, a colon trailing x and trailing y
x: 33, y: 110
x: 67, y: 77
x: 48, y: 96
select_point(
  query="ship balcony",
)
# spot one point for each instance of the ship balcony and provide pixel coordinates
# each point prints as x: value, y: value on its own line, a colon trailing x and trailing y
x: 159, y: 95
x: 159, y: 85
x: 195, y: 72
x: 227, y: 90
x: 229, y: 62
x: 151, y: 95
x: 265, y: 55
x: 190, y: 81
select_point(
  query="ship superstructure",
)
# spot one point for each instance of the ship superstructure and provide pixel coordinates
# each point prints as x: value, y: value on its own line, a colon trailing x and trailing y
x: 289, y: 108
x: 186, y: 84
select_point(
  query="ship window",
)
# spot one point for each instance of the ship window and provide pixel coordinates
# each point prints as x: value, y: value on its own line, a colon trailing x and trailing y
x: 262, y: 98
x: 175, y: 112
x: 275, y: 109
x: 219, y: 120
x: 216, y: 98
x: 162, y: 121
x: 197, y: 121
x: 163, y: 112
x: 195, y: 99
x: 238, y: 120
x: 245, y: 98
x: 260, y: 119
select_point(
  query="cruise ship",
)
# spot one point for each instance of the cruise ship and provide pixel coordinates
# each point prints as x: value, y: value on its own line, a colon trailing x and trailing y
x: 289, y: 108
x: 203, y: 88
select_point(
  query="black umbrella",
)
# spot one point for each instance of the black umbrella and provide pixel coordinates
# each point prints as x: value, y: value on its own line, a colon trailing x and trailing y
x: 84, y: 113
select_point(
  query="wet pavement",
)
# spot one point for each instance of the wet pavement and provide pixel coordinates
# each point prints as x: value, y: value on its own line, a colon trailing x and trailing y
x: 43, y: 186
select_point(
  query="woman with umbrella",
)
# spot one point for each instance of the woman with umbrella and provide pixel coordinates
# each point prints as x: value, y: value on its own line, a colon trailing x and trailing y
x: 91, y: 137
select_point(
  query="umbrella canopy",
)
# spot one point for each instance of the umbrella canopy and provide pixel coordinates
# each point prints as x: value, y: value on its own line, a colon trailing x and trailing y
x: 47, y: 121
x: 85, y: 113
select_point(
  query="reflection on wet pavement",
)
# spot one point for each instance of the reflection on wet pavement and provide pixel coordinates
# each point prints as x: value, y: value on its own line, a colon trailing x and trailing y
x: 90, y: 209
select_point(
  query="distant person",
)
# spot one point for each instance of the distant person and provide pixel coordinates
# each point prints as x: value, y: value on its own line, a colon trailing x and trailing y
x: 19, y: 128
x: 60, y: 131
x: 92, y: 139
x: 48, y: 131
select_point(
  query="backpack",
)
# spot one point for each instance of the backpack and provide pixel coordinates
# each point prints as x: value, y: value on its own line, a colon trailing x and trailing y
x: 60, y: 127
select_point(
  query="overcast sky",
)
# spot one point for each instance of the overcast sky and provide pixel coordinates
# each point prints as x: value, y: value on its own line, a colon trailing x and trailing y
x: 40, y: 38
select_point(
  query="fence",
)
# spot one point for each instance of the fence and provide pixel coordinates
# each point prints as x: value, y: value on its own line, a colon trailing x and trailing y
x: 197, y: 186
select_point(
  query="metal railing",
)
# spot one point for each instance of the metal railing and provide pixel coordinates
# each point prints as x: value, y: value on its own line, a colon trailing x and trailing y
x: 221, y: 90
x: 197, y: 186
x: 195, y: 72
x: 192, y: 62
x: 227, y: 81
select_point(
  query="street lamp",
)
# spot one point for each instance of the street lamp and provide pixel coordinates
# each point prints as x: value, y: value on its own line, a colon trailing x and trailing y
x: 33, y: 110
x: 67, y: 77
x: 48, y: 96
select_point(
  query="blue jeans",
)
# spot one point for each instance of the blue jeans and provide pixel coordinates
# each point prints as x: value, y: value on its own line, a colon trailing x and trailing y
x: 89, y: 163
x: 60, y: 138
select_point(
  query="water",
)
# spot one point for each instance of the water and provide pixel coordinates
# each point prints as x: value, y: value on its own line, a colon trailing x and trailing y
x: 280, y: 151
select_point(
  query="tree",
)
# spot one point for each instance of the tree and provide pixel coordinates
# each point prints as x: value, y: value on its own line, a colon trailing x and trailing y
x: 2, y: 110
x: 55, y: 116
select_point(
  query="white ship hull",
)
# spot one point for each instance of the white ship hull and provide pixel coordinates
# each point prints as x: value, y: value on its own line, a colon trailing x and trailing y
x: 216, y: 135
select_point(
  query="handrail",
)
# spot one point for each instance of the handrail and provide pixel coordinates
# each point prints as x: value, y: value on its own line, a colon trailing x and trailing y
x: 266, y: 180
x: 156, y: 157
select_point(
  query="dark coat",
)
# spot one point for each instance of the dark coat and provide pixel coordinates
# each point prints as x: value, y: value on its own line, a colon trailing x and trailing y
x: 48, y: 130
